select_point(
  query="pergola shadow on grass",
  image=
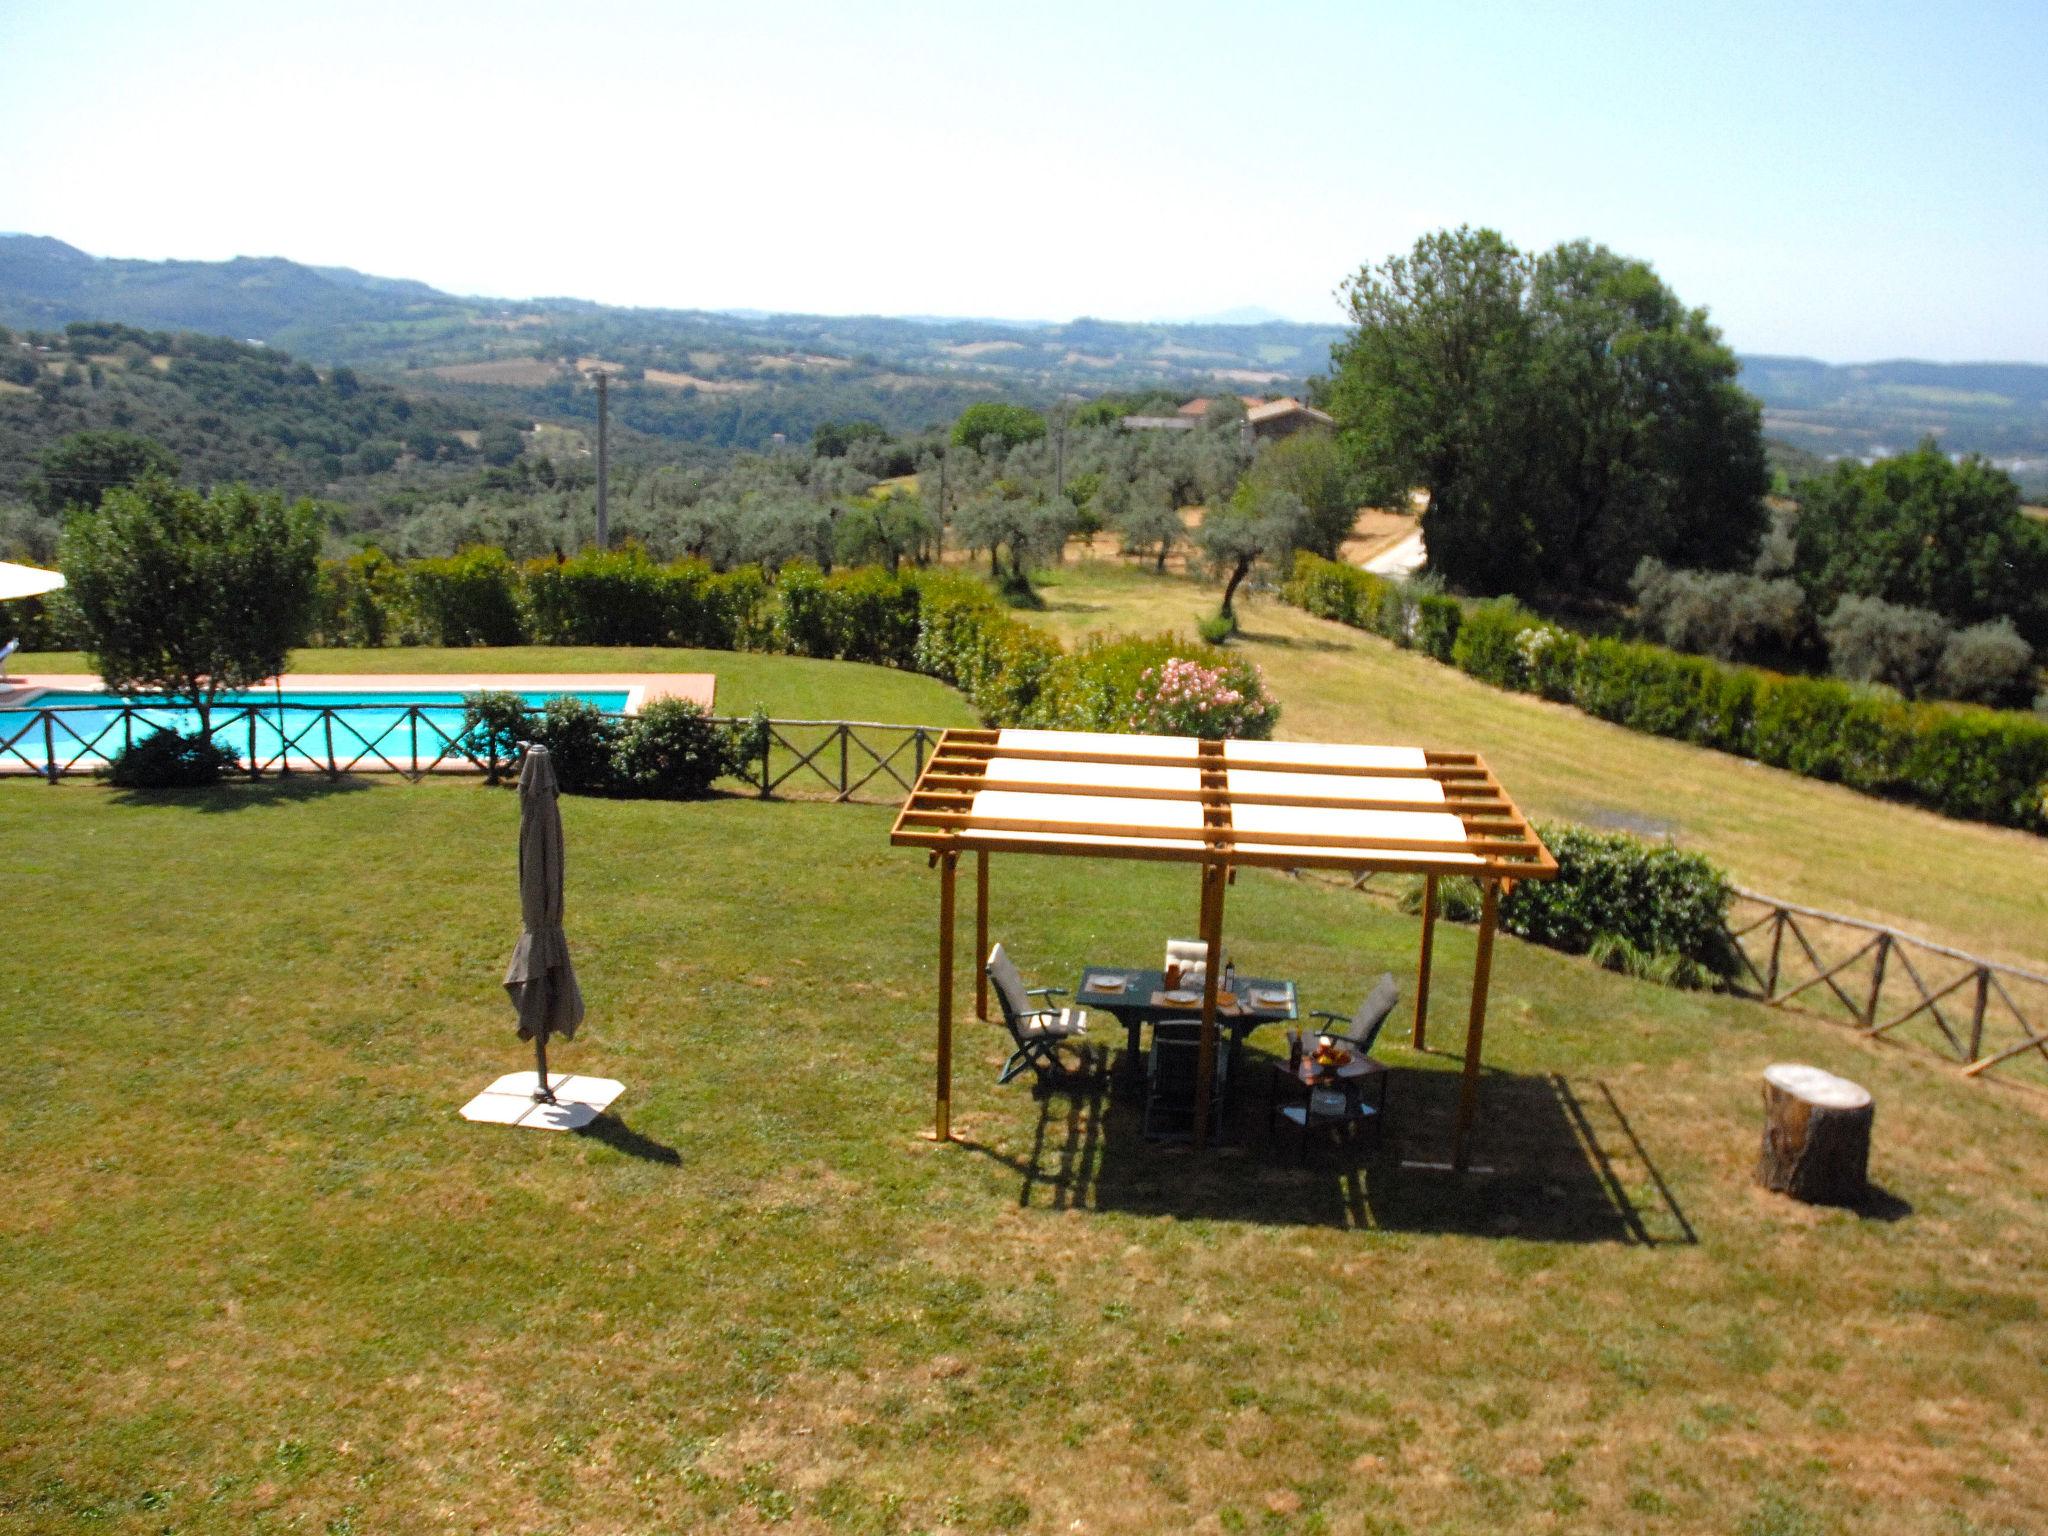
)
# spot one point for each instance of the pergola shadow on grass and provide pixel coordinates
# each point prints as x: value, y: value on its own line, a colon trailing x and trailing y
x: 1221, y: 806
x: 1567, y: 1165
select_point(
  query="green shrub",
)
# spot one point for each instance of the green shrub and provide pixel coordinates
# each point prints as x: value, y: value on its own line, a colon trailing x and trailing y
x: 582, y: 740
x: 1658, y: 900
x: 40, y: 623
x: 495, y: 729
x: 618, y: 597
x: 803, y: 624
x: 873, y: 615
x: 1987, y: 664
x: 737, y: 610
x: 1873, y: 641
x: 362, y: 601
x: 1488, y: 643
x: 1437, y: 623
x: 967, y: 638
x: 166, y: 759
x: 1989, y: 765
x: 674, y: 749
x: 1216, y: 628
x: 469, y: 598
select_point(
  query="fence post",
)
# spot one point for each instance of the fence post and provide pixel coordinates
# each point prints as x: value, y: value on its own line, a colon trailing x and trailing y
x: 127, y: 726
x: 413, y: 720
x: 1884, y: 949
x: 49, y: 749
x: 1777, y: 944
x: 767, y: 748
x: 327, y: 722
x: 255, y: 768
x: 1977, y: 1012
x: 845, y: 731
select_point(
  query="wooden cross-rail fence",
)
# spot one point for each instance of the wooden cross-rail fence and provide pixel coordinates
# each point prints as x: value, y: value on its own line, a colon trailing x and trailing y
x: 1880, y: 980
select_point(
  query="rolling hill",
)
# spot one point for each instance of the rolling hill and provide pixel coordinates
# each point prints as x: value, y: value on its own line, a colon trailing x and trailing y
x: 730, y: 379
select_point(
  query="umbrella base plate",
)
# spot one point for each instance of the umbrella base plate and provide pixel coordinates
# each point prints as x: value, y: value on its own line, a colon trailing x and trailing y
x: 510, y: 1101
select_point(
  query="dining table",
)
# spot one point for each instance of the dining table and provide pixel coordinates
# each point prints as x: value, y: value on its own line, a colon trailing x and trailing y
x: 1135, y: 997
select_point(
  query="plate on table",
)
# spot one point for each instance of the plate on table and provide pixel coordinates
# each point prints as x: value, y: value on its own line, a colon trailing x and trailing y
x: 1182, y: 997
x: 1270, y: 997
x: 1107, y: 983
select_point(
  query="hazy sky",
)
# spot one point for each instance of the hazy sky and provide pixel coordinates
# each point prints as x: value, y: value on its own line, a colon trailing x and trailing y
x: 1847, y: 181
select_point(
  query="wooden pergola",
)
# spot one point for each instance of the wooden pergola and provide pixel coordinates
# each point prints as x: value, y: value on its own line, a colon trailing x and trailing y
x: 1221, y: 805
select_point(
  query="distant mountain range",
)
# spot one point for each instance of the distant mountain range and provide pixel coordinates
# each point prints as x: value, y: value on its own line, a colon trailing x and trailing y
x: 732, y: 360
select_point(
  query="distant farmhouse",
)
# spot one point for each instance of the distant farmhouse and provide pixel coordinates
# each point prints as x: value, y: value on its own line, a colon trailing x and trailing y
x: 1263, y: 419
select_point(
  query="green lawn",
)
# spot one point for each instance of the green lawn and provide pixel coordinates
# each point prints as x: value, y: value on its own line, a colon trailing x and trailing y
x: 788, y: 687
x: 259, y: 1275
x: 1980, y: 888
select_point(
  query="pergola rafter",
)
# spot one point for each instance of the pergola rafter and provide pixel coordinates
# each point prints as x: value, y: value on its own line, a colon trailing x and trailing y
x: 1223, y: 805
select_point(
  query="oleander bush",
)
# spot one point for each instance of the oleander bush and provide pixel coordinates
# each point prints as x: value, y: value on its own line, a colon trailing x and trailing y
x: 1959, y: 759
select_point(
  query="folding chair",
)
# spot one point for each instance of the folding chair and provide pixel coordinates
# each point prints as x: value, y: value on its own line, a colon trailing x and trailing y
x: 1039, y: 1032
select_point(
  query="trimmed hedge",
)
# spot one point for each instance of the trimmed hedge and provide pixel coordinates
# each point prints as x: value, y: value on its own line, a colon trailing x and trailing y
x: 1961, y: 760
x: 947, y: 625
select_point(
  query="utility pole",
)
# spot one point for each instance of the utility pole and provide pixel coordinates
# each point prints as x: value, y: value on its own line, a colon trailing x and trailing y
x: 603, y: 459
x: 1059, y: 450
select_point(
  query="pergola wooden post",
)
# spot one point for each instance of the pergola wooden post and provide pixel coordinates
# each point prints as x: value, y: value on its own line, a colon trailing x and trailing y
x: 1420, y: 1037
x: 1214, y: 878
x: 942, y: 1115
x: 981, y: 934
x: 1475, y: 1028
x: 1223, y: 806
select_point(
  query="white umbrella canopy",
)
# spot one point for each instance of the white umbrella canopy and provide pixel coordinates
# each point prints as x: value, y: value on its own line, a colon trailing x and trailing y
x: 27, y: 580
x: 540, y: 979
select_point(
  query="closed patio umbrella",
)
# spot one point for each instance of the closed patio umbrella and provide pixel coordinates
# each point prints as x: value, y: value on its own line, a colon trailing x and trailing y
x: 540, y: 979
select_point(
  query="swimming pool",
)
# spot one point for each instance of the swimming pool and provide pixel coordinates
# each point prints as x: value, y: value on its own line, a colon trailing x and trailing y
x: 307, y: 728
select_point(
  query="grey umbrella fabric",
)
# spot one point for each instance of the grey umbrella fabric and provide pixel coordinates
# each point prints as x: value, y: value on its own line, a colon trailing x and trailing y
x: 540, y: 978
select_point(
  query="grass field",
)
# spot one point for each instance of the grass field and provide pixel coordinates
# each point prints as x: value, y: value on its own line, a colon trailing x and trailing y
x: 1983, y: 889
x: 260, y: 1276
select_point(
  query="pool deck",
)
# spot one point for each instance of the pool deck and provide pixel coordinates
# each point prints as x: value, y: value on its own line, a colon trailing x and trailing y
x: 641, y: 688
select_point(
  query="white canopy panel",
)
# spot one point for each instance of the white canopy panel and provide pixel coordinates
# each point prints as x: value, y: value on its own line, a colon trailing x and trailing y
x: 1098, y: 744
x: 1253, y: 782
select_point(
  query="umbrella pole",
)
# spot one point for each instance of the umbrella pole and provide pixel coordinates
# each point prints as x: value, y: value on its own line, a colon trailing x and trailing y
x: 542, y: 1093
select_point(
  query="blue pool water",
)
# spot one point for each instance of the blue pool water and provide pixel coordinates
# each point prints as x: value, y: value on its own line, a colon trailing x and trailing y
x: 366, y: 727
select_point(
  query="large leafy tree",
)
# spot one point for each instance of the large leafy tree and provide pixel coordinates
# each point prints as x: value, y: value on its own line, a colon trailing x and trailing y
x: 189, y: 595
x: 1924, y: 531
x: 1433, y: 388
x: 1648, y: 445
x: 1567, y: 415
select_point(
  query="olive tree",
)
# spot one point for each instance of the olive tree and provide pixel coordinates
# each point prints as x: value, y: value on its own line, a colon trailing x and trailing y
x: 187, y: 595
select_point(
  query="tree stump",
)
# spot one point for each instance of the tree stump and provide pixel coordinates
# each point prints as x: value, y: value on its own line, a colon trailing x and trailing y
x: 1816, y: 1135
